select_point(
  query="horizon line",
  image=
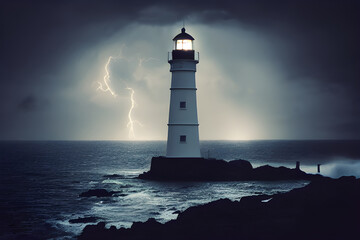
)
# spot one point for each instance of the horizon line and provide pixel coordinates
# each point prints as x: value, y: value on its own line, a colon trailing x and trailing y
x: 164, y: 140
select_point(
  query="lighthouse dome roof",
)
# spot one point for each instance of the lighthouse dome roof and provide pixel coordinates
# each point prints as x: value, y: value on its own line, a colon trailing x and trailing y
x: 183, y: 35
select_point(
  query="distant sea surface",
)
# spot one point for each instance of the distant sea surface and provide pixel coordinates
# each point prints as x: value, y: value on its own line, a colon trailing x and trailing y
x: 40, y: 181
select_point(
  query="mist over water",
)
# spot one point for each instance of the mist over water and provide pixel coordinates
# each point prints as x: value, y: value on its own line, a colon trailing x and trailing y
x: 40, y: 182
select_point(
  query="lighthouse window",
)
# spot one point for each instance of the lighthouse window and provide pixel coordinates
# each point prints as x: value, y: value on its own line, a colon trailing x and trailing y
x: 183, y: 44
x: 183, y: 138
x: 183, y: 105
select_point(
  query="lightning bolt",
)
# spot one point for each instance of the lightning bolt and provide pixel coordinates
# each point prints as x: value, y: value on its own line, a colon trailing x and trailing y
x: 130, y: 124
x: 105, y: 87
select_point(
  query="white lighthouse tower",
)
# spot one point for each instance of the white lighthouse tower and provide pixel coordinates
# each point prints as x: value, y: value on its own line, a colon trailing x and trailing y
x: 183, y: 126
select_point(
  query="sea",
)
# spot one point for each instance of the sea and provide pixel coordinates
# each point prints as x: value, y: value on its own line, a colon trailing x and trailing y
x: 40, y: 181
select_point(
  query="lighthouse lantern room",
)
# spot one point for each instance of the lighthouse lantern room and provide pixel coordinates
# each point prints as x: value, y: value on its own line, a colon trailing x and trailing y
x: 183, y: 126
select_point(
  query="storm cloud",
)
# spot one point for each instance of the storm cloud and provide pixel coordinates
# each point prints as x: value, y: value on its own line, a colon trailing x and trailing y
x: 268, y: 69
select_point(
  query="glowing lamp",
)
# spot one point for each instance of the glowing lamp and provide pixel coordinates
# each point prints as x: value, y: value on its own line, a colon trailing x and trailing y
x: 183, y: 46
x: 183, y: 41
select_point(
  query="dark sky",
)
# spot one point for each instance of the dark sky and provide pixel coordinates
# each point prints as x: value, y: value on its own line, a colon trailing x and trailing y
x: 268, y: 69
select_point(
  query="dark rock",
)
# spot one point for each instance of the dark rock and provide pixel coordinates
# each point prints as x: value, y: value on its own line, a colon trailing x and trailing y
x: 112, y: 229
x: 324, y: 209
x: 200, y: 169
x: 245, y: 165
x: 114, y: 176
x: 96, y: 232
x: 97, y: 193
x: 84, y: 220
x: 150, y: 225
x: 278, y: 173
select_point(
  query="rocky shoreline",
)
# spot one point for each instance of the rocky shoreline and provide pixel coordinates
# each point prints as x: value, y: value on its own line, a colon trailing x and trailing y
x: 201, y: 169
x: 324, y: 209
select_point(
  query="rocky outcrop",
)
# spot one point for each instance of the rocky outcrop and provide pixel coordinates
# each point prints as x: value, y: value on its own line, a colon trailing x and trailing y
x: 324, y: 209
x: 97, y: 193
x: 84, y: 220
x: 200, y: 169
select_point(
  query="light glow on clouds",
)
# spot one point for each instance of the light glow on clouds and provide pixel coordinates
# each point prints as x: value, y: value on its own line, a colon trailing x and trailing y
x: 243, y: 90
x: 150, y: 75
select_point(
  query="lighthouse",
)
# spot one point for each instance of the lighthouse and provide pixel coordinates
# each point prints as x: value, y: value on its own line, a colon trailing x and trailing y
x: 183, y: 125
